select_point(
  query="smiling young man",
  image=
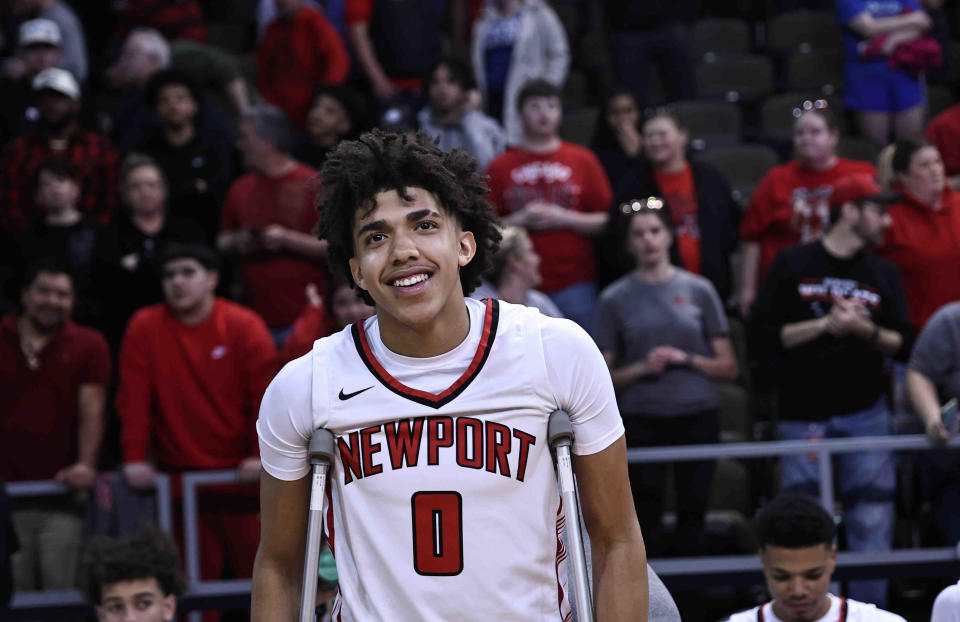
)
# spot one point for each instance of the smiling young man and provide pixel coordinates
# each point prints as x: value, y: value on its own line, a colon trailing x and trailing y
x: 134, y: 579
x: 796, y: 535
x: 192, y: 372
x: 443, y: 502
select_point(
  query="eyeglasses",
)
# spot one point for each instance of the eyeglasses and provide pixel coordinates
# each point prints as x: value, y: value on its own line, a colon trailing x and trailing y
x: 639, y: 205
x: 808, y: 105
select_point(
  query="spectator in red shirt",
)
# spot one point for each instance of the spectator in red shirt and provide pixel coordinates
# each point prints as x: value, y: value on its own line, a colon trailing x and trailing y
x: 53, y: 386
x: 944, y: 132
x: 174, y: 19
x: 924, y: 241
x: 346, y: 308
x: 394, y: 41
x: 192, y: 372
x: 560, y: 194
x: 300, y: 50
x: 59, y: 134
x: 269, y: 219
x: 792, y: 202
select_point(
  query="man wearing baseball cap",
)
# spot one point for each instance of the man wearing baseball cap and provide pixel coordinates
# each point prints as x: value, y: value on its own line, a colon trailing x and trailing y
x: 39, y: 48
x: 832, y: 312
x: 57, y: 132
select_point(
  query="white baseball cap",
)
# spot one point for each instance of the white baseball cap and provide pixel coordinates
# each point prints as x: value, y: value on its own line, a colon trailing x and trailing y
x: 59, y: 80
x: 37, y: 31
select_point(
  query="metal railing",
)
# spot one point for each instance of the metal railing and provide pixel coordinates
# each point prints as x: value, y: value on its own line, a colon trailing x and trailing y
x: 944, y: 561
x: 191, y: 481
x: 28, y: 604
x: 678, y: 572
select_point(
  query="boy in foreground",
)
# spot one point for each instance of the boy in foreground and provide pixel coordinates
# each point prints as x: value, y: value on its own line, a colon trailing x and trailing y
x: 798, y: 555
x: 443, y: 502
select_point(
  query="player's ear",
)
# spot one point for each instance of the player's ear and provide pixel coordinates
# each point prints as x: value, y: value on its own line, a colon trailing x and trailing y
x: 357, y: 273
x: 467, y: 247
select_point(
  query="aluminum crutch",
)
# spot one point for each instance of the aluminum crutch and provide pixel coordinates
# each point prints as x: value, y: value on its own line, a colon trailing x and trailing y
x: 560, y: 437
x: 321, y: 457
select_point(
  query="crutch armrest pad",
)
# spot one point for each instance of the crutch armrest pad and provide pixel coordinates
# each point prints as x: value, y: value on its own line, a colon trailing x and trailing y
x: 559, y: 429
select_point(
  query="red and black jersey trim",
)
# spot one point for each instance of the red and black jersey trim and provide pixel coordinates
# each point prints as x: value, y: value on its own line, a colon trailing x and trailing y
x: 435, y: 400
x: 842, y: 618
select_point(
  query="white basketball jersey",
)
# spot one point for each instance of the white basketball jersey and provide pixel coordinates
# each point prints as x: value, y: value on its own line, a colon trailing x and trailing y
x: 841, y: 610
x: 444, y: 506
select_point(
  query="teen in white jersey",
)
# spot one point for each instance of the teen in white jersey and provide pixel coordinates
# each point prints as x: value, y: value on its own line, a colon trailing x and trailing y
x: 796, y: 535
x: 443, y: 504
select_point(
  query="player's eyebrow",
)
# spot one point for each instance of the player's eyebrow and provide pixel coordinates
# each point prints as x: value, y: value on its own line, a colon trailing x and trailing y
x: 423, y: 213
x: 370, y: 226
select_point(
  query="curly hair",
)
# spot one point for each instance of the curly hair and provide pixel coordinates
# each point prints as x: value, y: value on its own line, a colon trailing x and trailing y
x: 147, y: 554
x: 356, y: 171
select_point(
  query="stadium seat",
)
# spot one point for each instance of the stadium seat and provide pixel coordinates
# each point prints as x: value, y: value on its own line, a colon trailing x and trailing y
x: 776, y: 114
x: 734, y: 410
x: 858, y: 149
x: 575, y: 90
x: 802, y: 30
x: 578, y: 126
x: 721, y: 36
x: 815, y: 70
x: 939, y: 98
x: 735, y: 78
x: 709, y: 123
x: 953, y: 61
x: 743, y: 165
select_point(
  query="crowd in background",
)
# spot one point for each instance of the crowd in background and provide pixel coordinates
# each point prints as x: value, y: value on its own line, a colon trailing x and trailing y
x: 159, y: 260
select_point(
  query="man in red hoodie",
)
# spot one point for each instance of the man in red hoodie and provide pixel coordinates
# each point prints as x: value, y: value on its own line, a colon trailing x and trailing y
x: 192, y: 372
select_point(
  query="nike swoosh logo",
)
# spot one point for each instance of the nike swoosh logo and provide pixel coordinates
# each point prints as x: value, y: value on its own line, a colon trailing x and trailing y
x: 346, y: 396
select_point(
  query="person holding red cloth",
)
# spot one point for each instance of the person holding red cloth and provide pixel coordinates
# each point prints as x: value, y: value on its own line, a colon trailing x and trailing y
x: 192, y: 372
x: 924, y: 241
x: 791, y: 204
x: 300, y: 50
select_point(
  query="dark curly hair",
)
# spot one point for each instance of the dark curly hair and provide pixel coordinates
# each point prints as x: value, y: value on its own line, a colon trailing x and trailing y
x: 147, y: 554
x: 357, y: 170
x: 794, y: 521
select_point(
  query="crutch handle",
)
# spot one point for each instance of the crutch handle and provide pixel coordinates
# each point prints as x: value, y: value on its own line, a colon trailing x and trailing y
x: 559, y: 429
x: 320, y: 449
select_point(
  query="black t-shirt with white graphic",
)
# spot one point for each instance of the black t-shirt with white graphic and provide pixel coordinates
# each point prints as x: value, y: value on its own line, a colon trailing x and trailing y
x: 829, y: 375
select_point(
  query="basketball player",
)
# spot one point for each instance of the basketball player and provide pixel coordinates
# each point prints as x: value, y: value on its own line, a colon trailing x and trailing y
x: 443, y: 502
x: 798, y: 555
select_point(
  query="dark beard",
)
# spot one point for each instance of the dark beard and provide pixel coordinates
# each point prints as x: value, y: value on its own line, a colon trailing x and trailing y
x: 56, y: 127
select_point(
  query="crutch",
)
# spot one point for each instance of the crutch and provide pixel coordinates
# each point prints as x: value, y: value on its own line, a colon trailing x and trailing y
x: 321, y: 457
x: 560, y: 437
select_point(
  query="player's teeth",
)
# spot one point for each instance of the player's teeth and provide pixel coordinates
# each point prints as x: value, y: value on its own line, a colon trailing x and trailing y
x: 410, y: 280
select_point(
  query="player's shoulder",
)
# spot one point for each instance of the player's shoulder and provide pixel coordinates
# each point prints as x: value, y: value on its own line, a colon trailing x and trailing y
x: 868, y: 612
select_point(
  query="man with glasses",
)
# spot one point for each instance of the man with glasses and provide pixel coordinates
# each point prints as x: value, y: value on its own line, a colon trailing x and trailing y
x: 835, y: 312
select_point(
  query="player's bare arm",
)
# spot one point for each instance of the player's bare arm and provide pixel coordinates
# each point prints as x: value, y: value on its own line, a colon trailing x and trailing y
x: 278, y: 569
x: 619, y: 557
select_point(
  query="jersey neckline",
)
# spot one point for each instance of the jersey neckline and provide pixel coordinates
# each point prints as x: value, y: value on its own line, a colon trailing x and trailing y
x: 434, y: 400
